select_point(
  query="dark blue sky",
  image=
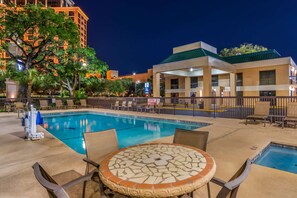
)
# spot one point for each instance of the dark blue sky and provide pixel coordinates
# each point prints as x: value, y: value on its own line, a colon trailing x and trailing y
x: 133, y: 35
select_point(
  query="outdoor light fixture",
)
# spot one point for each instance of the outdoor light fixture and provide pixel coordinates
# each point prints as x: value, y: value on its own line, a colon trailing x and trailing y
x: 84, y: 64
x: 191, y: 69
x: 134, y: 73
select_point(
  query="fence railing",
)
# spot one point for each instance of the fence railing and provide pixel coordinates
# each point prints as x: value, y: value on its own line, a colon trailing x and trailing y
x: 225, y: 107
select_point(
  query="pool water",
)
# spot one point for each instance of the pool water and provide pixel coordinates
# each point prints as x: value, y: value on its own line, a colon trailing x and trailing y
x: 131, y: 130
x: 280, y: 157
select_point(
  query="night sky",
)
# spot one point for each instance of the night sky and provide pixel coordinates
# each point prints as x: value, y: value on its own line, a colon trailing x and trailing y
x: 133, y: 35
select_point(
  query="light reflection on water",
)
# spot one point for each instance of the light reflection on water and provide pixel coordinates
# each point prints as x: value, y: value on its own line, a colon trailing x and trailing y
x: 130, y: 131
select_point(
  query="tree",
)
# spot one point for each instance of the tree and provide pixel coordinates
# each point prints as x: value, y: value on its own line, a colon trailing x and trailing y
x: 45, y: 84
x: 74, y: 63
x: 32, y: 35
x: 245, y: 48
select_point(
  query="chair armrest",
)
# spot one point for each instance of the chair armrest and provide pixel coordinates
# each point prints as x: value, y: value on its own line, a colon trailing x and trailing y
x: 91, y: 162
x: 80, y: 180
x: 218, y: 181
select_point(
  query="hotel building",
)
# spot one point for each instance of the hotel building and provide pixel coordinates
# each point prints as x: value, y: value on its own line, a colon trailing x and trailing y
x: 60, y: 6
x: 197, y: 70
x: 64, y: 6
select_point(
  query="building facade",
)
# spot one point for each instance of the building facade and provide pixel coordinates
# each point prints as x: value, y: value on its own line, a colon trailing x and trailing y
x: 65, y: 6
x: 60, y: 6
x: 197, y: 70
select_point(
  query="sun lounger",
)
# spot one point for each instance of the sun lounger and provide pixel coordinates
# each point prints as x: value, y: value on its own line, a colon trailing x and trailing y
x: 84, y: 104
x: 261, y: 112
x: 44, y: 104
x: 59, y: 104
x: 291, y: 118
x: 70, y: 104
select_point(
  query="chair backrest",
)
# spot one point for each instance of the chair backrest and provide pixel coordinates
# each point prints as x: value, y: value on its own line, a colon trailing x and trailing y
x: 19, y: 105
x: 83, y: 102
x: 130, y: 104
x: 43, y: 103
x: 292, y: 109
x: 99, y: 144
x: 59, y: 103
x: 69, y: 102
x: 196, y: 139
x: 124, y: 103
x: 262, y: 108
x: 117, y: 103
x: 52, y: 187
x: 230, y: 188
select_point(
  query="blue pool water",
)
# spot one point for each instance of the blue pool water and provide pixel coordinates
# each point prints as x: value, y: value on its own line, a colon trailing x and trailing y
x: 131, y: 130
x: 279, y: 157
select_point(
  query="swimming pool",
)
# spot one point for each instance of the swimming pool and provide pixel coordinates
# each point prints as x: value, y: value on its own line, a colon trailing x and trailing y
x: 131, y: 130
x: 278, y: 156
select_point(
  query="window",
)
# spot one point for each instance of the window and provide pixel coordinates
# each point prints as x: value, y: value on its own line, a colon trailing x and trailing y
x: 215, y: 80
x: 20, y: 2
x: 71, y: 13
x: 194, y: 82
x: 42, y: 2
x: 31, y: 1
x: 174, y: 83
x: 53, y: 3
x: 267, y: 77
x: 239, y: 79
x: 239, y: 99
x: 268, y: 93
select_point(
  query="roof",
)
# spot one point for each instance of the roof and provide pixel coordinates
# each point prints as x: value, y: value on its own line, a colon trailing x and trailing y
x: 257, y: 56
x: 195, y: 53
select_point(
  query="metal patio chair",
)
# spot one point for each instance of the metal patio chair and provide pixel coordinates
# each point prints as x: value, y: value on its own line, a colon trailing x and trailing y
x: 20, y: 108
x: 66, y: 184
x: 116, y: 105
x: 98, y: 145
x: 130, y: 105
x: 160, y: 106
x: 261, y: 112
x: 123, y: 105
x: 230, y: 188
x: 196, y: 139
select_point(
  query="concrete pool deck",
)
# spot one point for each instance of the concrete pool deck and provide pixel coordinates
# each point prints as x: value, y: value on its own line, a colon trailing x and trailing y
x: 231, y: 142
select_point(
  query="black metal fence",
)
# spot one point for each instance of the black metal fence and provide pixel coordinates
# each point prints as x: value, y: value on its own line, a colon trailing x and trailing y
x: 225, y: 107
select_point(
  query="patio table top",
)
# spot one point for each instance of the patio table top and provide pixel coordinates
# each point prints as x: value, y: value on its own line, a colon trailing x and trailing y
x: 157, y: 170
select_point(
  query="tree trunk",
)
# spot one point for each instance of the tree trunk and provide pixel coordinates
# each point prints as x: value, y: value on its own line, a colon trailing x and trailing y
x: 29, y: 89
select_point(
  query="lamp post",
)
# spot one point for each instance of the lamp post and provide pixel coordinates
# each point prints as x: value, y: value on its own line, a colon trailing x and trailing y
x: 135, y: 88
x: 84, y: 64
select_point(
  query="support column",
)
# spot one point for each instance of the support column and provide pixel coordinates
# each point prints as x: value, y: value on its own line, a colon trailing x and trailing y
x: 207, y: 87
x: 187, y: 87
x: 156, y: 85
x: 232, y: 84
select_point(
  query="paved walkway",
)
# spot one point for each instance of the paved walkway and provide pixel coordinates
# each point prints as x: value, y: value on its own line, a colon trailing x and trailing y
x: 230, y: 143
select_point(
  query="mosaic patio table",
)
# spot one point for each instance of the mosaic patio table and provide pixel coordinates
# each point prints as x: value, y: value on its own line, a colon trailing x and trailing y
x: 157, y: 170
